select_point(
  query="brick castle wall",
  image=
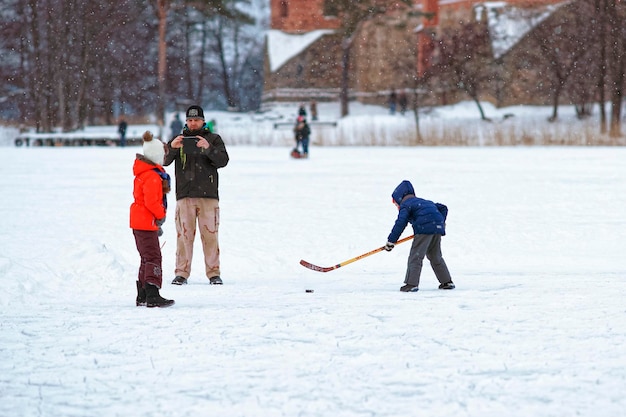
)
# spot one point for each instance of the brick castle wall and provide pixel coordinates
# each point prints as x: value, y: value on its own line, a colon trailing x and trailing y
x: 296, y: 16
x: 384, y: 54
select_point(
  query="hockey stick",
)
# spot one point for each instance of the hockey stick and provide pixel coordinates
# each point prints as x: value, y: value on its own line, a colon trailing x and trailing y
x: 349, y: 261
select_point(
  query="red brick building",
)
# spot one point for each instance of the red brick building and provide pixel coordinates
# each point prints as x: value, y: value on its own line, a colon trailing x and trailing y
x: 304, y: 54
x: 299, y: 16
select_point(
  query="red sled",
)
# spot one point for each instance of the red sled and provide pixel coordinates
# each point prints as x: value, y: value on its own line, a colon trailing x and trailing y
x: 296, y: 154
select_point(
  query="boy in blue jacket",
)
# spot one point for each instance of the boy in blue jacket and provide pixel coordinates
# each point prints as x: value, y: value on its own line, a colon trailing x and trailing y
x: 428, y: 221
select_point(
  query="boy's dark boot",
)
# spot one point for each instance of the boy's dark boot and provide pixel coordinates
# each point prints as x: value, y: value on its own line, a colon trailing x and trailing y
x: 141, y: 295
x: 447, y: 286
x: 154, y: 299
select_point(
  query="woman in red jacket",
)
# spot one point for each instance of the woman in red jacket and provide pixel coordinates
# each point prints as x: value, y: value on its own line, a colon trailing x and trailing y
x: 147, y: 214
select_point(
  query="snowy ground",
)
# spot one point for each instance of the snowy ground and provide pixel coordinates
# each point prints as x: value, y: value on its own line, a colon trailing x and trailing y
x: 536, y: 326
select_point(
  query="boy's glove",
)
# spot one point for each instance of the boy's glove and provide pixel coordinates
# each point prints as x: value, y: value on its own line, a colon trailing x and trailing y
x: 389, y: 246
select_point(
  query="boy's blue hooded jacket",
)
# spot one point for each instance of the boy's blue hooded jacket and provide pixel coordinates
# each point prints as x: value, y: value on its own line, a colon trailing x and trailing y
x: 426, y: 217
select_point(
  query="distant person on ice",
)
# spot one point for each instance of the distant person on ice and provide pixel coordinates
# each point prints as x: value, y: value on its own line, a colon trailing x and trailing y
x: 147, y: 215
x: 393, y: 98
x: 121, y: 129
x: 402, y: 102
x: 428, y: 220
x: 302, y: 134
x: 302, y: 110
x: 176, y: 126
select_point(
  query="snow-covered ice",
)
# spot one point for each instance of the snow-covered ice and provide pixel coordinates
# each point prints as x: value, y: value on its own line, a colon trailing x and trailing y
x: 536, y: 326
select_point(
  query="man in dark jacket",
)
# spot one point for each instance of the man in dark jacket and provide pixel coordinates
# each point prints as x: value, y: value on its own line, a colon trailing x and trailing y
x: 428, y: 221
x: 197, y: 154
x: 121, y: 129
x: 176, y: 126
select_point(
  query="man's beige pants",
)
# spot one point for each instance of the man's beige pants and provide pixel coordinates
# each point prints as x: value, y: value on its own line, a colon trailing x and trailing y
x: 207, y: 213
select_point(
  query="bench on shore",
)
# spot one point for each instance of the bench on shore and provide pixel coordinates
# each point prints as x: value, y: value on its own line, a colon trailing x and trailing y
x: 90, y: 136
x: 312, y: 124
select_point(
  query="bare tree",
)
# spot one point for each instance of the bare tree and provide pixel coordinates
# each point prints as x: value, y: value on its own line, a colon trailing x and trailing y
x: 216, y: 47
x: 617, y: 62
x: 34, y: 58
x: 162, y: 8
x: 463, y: 60
x: 67, y: 63
x: 63, y: 60
x: 600, y: 27
x: 562, y: 41
x: 352, y: 14
x: 14, y: 19
x: 225, y: 28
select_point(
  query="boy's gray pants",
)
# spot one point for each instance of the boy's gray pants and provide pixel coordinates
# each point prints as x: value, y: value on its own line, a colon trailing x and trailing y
x: 429, y: 246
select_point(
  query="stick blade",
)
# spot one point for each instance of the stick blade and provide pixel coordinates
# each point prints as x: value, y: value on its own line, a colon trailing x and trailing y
x: 309, y: 265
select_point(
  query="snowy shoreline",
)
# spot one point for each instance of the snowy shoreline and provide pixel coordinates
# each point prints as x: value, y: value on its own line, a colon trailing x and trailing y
x: 369, y: 125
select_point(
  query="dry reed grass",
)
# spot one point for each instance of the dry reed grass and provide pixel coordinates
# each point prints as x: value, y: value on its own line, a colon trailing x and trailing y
x: 444, y: 132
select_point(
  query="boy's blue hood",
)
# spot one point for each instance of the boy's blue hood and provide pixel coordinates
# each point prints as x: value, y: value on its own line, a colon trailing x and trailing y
x: 405, y: 188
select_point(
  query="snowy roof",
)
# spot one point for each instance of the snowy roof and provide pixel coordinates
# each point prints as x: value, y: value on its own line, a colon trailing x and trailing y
x: 509, y: 24
x: 281, y: 46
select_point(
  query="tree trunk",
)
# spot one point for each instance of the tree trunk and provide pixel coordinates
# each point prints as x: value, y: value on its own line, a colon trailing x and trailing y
x: 474, y: 96
x: 555, y: 105
x: 198, y: 92
x: 162, y: 9
x: 601, y: 11
x: 616, y: 99
x: 225, y: 74
x: 81, y: 103
x: 617, y: 67
x: 480, y: 109
x: 235, y: 69
x: 188, y: 60
x: 416, y: 112
x: 345, y: 78
x: 556, y: 96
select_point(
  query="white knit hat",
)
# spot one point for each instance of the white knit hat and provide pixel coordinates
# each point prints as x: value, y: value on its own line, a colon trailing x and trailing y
x: 153, y: 148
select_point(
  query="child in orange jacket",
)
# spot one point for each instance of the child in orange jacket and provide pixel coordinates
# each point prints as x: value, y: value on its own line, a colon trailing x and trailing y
x: 147, y: 214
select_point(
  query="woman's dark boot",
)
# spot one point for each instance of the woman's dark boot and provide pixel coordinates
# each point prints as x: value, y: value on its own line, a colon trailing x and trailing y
x: 141, y: 295
x: 154, y: 299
